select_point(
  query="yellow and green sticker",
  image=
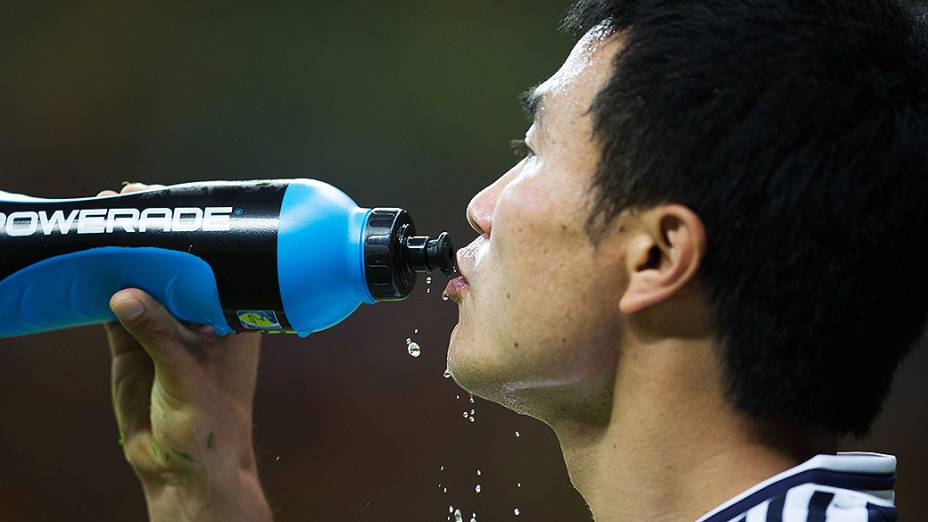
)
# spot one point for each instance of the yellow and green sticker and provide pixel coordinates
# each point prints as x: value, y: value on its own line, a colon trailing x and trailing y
x: 258, y: 319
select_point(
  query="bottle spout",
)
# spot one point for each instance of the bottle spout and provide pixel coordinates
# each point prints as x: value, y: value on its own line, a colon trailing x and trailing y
x: 425, y: 255
x: 394, y: 254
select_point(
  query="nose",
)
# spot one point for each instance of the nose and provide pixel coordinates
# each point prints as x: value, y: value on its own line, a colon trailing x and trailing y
x: 482, y: 206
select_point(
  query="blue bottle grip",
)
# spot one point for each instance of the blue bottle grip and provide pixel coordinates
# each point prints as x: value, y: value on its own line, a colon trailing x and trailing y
x: 74, y: 289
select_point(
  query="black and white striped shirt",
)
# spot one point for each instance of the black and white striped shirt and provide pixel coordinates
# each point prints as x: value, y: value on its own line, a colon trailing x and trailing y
x: 847, y: 487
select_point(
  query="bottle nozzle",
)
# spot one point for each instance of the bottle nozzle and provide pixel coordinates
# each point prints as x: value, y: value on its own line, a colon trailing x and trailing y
x: 424, y: 254
x: 394, y: 254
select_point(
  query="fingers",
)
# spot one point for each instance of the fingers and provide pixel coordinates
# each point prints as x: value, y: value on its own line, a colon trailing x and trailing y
x: 151, y: 325
x: 136, y: 187
x: 132, y: 377
x: 128, y: 188
x: 120, y: 340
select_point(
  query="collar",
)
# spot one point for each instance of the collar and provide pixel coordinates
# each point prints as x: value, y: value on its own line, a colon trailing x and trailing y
x: 870, y: 473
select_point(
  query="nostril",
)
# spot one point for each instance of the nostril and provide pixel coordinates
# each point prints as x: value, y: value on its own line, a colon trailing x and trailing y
x: 473, y: 223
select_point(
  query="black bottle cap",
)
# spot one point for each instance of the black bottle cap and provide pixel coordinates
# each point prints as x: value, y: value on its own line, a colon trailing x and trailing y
x: 394, y: 254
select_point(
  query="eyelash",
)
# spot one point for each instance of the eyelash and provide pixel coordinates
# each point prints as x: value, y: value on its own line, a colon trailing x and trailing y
x: 521, y: 149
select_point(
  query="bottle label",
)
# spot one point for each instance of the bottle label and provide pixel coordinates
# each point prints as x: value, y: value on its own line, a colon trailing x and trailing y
x: 232, y: 225
x: 115, y: 220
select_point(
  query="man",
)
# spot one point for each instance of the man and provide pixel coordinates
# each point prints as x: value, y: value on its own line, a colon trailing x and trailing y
x: 698, y: 275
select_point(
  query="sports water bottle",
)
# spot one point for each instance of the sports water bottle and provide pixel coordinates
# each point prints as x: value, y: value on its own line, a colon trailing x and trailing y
x: 272, y: 256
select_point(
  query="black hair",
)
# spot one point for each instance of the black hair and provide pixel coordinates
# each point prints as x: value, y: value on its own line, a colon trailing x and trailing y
x: 798, y: 131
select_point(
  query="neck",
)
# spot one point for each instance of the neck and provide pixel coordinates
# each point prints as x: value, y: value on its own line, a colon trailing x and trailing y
x: 673, y: 449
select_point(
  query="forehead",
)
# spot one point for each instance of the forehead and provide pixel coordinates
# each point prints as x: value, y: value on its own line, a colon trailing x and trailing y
x: 568, y: 93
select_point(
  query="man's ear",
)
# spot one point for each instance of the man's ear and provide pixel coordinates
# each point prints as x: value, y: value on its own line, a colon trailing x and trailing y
x: 662, y: 254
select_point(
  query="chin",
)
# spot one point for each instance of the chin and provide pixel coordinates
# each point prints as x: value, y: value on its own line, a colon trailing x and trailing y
x: 471, y: 365
x: 546, y: 394
x: 484, y: 373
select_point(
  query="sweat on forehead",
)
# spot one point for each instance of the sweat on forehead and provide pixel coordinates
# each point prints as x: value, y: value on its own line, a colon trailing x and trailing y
x: 585, y: 66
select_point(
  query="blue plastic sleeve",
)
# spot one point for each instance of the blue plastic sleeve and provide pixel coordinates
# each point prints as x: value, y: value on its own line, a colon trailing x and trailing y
x: 75, y: 289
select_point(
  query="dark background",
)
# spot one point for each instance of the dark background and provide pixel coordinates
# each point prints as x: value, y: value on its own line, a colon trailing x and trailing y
x: 398, y: 103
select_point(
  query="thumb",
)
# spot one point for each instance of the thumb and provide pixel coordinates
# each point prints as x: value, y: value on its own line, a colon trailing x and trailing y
x: 152, y: 325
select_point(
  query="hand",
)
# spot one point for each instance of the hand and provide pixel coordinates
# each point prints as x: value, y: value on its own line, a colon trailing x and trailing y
x: 183, y: 400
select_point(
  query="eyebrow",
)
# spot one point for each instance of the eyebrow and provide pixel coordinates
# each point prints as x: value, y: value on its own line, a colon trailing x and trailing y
x: 532, y: 102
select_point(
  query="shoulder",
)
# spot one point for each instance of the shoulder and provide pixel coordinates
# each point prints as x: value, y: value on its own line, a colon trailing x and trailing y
x: 844, y: 487
x: 817, y: 503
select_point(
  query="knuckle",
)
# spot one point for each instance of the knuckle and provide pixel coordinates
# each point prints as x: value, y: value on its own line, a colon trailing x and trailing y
x: 158, y: 331
x: 156, y: 328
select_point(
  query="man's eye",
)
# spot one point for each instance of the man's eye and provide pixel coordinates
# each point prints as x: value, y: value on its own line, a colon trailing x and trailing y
x: 521, y: 148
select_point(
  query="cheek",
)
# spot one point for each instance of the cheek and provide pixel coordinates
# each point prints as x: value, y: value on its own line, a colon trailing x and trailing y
x: 537, y: 231
x: 542, y: 265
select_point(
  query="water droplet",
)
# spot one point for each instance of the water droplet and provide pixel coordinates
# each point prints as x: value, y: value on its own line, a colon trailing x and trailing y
x: 518, y: 484
x: 477, y: 489
x: 517, y: 434
x: 478, y: 472
x: 428, y: 280
x: 471, y: 399
x: 444, y: 298
x: 471, y: 419
x: 447, y: 373
x: 428, y: 290
x: 442, y: 468
x: 465, y: 414
x: 414, y: 349
x: 515, y: 511
x: 450, y: 509
x: 444, y: 490
x: 473, y: 517
x: 457, y: 397
x: 471, y: 411
x: 457, y: 516
x: 408, y: 340
x: 416, y: 331
x: 277, y: 458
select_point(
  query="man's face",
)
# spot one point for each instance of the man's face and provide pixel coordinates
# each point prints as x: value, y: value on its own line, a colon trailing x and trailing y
x: 538, y: 322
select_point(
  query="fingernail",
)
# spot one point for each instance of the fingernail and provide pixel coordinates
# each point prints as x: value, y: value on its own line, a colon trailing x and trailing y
x: 128, y: 308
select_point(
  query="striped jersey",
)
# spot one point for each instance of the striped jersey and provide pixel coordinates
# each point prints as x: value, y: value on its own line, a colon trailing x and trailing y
x: 846, y: 487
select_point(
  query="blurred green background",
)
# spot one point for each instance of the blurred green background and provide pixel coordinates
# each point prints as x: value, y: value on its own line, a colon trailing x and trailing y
x: 398, y: 103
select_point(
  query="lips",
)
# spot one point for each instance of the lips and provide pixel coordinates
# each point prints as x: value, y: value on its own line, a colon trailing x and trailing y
x: 455, y: 289
x: 458, y: 286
